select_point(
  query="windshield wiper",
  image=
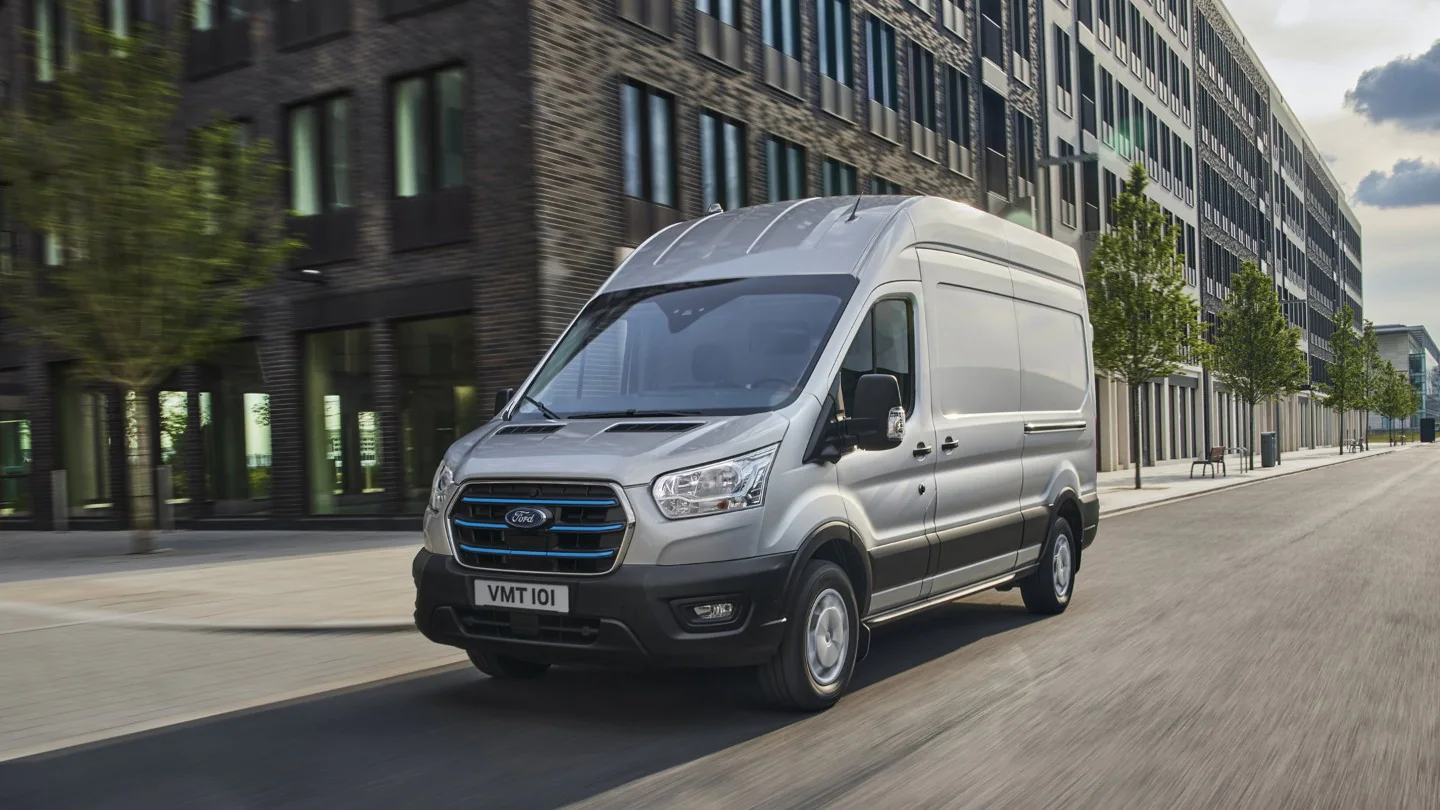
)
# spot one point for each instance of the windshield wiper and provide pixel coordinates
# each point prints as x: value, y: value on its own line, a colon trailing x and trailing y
x: 540, y: 406
x: 632, y: 413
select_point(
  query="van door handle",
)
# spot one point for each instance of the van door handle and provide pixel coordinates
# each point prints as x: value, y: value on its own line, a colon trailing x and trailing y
x: 949, y: 444
x: 922, y: 450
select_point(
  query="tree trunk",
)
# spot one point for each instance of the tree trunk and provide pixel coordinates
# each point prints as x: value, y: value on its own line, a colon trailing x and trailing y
x: 142, y: 504
x: 1135, y: 431
x: 1342, y: 432
x: 1251, y: 436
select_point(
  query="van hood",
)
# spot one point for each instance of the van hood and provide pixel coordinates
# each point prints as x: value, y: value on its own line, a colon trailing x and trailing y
x: 629, y: 452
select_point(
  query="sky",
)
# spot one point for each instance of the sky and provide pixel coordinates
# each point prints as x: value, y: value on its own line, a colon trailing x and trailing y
x: 1363, y: 77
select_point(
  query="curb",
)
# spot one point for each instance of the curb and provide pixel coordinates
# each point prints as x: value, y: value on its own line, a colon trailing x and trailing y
x: 1165, y: 501
x: 63, y: 616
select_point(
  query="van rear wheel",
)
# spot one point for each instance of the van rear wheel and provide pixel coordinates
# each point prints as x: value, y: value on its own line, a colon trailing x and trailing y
x: 1048, y: 590
x: 812, y: 668
x: 503, y: 667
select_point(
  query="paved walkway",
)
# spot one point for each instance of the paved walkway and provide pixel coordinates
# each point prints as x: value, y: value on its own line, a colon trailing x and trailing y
x: 319, y: 589
x: 1172, y: 480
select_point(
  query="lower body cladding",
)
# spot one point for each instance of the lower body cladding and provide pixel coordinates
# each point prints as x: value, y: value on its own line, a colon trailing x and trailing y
x: 652, y: 615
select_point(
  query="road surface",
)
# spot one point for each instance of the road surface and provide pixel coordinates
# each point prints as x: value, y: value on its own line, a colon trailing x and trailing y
x: 1272, y: 646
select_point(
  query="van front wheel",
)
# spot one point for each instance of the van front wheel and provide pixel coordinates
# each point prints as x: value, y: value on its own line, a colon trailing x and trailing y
x: 1048, y: 590
x: 812, y: 668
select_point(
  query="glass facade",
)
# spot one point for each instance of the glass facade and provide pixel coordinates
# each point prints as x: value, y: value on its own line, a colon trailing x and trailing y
x: 173, y: 417
x: 85, y: 445
x: 435, y: 362
x: 234, y: 428
x: 14, y: 448
x: 342, y: 424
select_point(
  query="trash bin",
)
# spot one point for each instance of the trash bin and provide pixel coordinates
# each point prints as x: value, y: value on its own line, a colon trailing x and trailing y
x: 1427, y: 430
x: 1269, y: 448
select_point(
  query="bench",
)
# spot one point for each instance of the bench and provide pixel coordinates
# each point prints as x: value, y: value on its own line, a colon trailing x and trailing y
x: 1216, y: 458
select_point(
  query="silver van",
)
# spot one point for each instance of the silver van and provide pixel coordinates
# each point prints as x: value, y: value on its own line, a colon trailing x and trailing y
x: 771, y: 430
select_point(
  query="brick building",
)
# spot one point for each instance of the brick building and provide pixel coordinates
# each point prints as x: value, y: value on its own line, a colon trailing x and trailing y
x: 465, y: 173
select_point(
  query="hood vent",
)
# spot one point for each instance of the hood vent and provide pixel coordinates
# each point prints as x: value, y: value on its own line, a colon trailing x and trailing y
x: 527, y: 430
x: 653, y: 427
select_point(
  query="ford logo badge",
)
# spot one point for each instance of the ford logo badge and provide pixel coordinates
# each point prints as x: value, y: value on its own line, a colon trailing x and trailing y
x: 530, y: 518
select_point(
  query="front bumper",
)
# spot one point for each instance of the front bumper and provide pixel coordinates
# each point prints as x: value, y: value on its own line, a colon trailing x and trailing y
x: 624, y: 618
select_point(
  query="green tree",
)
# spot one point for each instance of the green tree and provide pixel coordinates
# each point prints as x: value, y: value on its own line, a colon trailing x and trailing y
x: 1376, y: 375
x: 1257, y: 352
x: 1143, y: 318
x: 1345, y: 392
x: 151, y: 241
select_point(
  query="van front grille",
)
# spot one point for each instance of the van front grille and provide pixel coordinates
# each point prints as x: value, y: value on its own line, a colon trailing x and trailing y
x: 584, y: 532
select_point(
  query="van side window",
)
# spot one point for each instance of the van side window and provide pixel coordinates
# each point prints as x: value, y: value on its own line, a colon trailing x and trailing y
x: 885, y: 344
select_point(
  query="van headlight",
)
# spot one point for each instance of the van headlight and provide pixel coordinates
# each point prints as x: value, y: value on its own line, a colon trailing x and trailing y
x: 725, y: 486
x: 443, y: 487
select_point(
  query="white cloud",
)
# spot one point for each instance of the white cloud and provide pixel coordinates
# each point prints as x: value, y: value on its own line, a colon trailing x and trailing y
x: 1315, y: 51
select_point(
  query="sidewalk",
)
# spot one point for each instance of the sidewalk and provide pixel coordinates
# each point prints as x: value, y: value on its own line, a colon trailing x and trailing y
x: 1171, y: 480
x: 311, y: 589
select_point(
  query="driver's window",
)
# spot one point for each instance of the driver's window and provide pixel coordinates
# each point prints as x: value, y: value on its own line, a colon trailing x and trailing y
x: 885, y: 344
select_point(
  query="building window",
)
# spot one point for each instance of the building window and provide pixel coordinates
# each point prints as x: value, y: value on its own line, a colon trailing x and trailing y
x: 957, y: 106
x: 927, y: 6
x: 439, y: 402
x: 780, y: 26
x: 342, y: 426
x: 838, y: 178
x: 15, y: 447
x: 235, y: 425
x: 726, y: 11
x: 319, y: 146
x: 1025, y: 153
x: 722, y: 161
x: 1064, y: 77
x: 1020, y: 29
x: 1067, y: 186
x: 648, y: 134
x: 784, y: 169
x: 922, y: 100
x: 429, y: 132
x: 880, y: 45
x: 952, y: 16
x: 86, y: 430
x: 54, y: 38
x: 833, y: 30
x: 881, y: 186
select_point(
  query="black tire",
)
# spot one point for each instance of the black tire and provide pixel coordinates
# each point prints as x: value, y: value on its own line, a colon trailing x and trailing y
x: 503, y: 667
x: 787, y: 679
x: 1041, y: 591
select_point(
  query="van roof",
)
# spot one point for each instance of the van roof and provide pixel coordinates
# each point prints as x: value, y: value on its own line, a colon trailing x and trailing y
x: 818, y: 236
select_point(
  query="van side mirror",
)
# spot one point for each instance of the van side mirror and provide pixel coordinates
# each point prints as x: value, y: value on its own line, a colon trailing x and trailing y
x: 502, y: 398
x: 877, y: 419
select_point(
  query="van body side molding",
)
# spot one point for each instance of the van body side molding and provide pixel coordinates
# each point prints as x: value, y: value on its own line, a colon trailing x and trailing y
x: 1055, y: 427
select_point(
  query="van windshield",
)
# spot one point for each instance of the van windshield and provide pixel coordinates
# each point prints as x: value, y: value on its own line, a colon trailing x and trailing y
x: 698, y: 349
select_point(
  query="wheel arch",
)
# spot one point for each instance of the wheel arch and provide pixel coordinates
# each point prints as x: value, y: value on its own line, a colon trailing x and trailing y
x: 837, y: 542
x: 1067, y: 506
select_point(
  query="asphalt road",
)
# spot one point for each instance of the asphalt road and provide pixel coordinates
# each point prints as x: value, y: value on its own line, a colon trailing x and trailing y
x: 1272, y: 646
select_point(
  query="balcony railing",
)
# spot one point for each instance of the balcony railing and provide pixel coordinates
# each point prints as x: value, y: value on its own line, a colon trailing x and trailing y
x: 719, y: 41
x: 1087, y: 114
x: 837, y: 99
x: 997, y: 174
x: 958, y: 158
x: 992, y: 41
x: 657, y: 15
x: 782, y: 71
x: 328, y: 238
x: 953, y: 18
x: 224, y: 47
x: 299, y: 23
x: 884, y: 121
x: 430, y: 220
x: 923, y: 140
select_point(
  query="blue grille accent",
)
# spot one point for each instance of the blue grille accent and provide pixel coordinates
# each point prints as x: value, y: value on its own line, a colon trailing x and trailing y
x: 589, y: 527
x: 541, y: 502
x: 573, y: 555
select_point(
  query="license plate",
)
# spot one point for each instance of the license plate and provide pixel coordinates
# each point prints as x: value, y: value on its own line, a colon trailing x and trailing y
x: 522, y: 596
